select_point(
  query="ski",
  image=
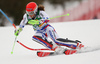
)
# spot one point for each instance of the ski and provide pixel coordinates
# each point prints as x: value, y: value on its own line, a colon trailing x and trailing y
x: 40, y: 53
x: 32, y: 48
x: 44, y: 54
x: 69, y: 52
x: 66, y: 52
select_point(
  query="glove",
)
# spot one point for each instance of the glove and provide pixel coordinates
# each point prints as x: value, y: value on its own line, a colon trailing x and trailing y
x: 17, y: 31
x: 33, y: 22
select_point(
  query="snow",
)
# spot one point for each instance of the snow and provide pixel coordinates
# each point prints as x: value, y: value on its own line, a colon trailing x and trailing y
x: 87, y: 31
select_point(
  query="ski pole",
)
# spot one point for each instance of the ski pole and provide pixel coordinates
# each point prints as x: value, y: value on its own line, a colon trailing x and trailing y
x: 37, y: 22
x: 13, y: 26
x: 14, y: 45
x: 59, y: 16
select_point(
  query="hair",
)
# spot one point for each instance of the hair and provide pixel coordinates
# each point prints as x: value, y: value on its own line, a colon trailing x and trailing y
x: 41, y: 7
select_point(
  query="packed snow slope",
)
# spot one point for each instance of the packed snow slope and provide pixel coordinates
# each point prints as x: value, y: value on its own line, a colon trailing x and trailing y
x: 86, y: 31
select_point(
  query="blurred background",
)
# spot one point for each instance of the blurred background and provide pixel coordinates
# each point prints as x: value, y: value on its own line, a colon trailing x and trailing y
x: 78, y: 10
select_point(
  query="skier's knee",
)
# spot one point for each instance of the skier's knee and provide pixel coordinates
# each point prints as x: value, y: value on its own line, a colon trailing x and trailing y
x: 42, y: 41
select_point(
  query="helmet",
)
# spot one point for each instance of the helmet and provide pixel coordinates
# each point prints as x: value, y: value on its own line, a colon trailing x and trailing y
x: 31, y: 8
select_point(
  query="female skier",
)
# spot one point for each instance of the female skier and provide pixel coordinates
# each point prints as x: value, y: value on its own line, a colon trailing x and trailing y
x: 43, y: 30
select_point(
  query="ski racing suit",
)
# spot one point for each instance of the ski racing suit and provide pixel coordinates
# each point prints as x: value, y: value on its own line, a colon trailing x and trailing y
x: 44, y: 32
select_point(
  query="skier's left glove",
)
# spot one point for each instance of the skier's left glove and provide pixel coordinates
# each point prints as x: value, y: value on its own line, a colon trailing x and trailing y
x: 33, y: 22
x: 17, y: 31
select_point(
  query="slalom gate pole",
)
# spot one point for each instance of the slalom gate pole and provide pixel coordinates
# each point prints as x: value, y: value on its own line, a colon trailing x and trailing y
x: 13, y: 26
x: 8, y: 18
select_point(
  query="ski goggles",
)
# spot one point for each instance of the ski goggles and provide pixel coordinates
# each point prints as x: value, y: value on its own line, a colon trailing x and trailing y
x: 32, y: 12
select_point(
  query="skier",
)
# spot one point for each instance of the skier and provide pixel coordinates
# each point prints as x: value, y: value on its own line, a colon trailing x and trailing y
x: 44, y: 31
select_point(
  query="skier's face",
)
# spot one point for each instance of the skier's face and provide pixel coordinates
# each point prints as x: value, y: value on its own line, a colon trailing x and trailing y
x: 32, y: 15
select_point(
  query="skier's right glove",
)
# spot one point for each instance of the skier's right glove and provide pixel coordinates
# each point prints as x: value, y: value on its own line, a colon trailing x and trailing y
x: 17, y: 31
